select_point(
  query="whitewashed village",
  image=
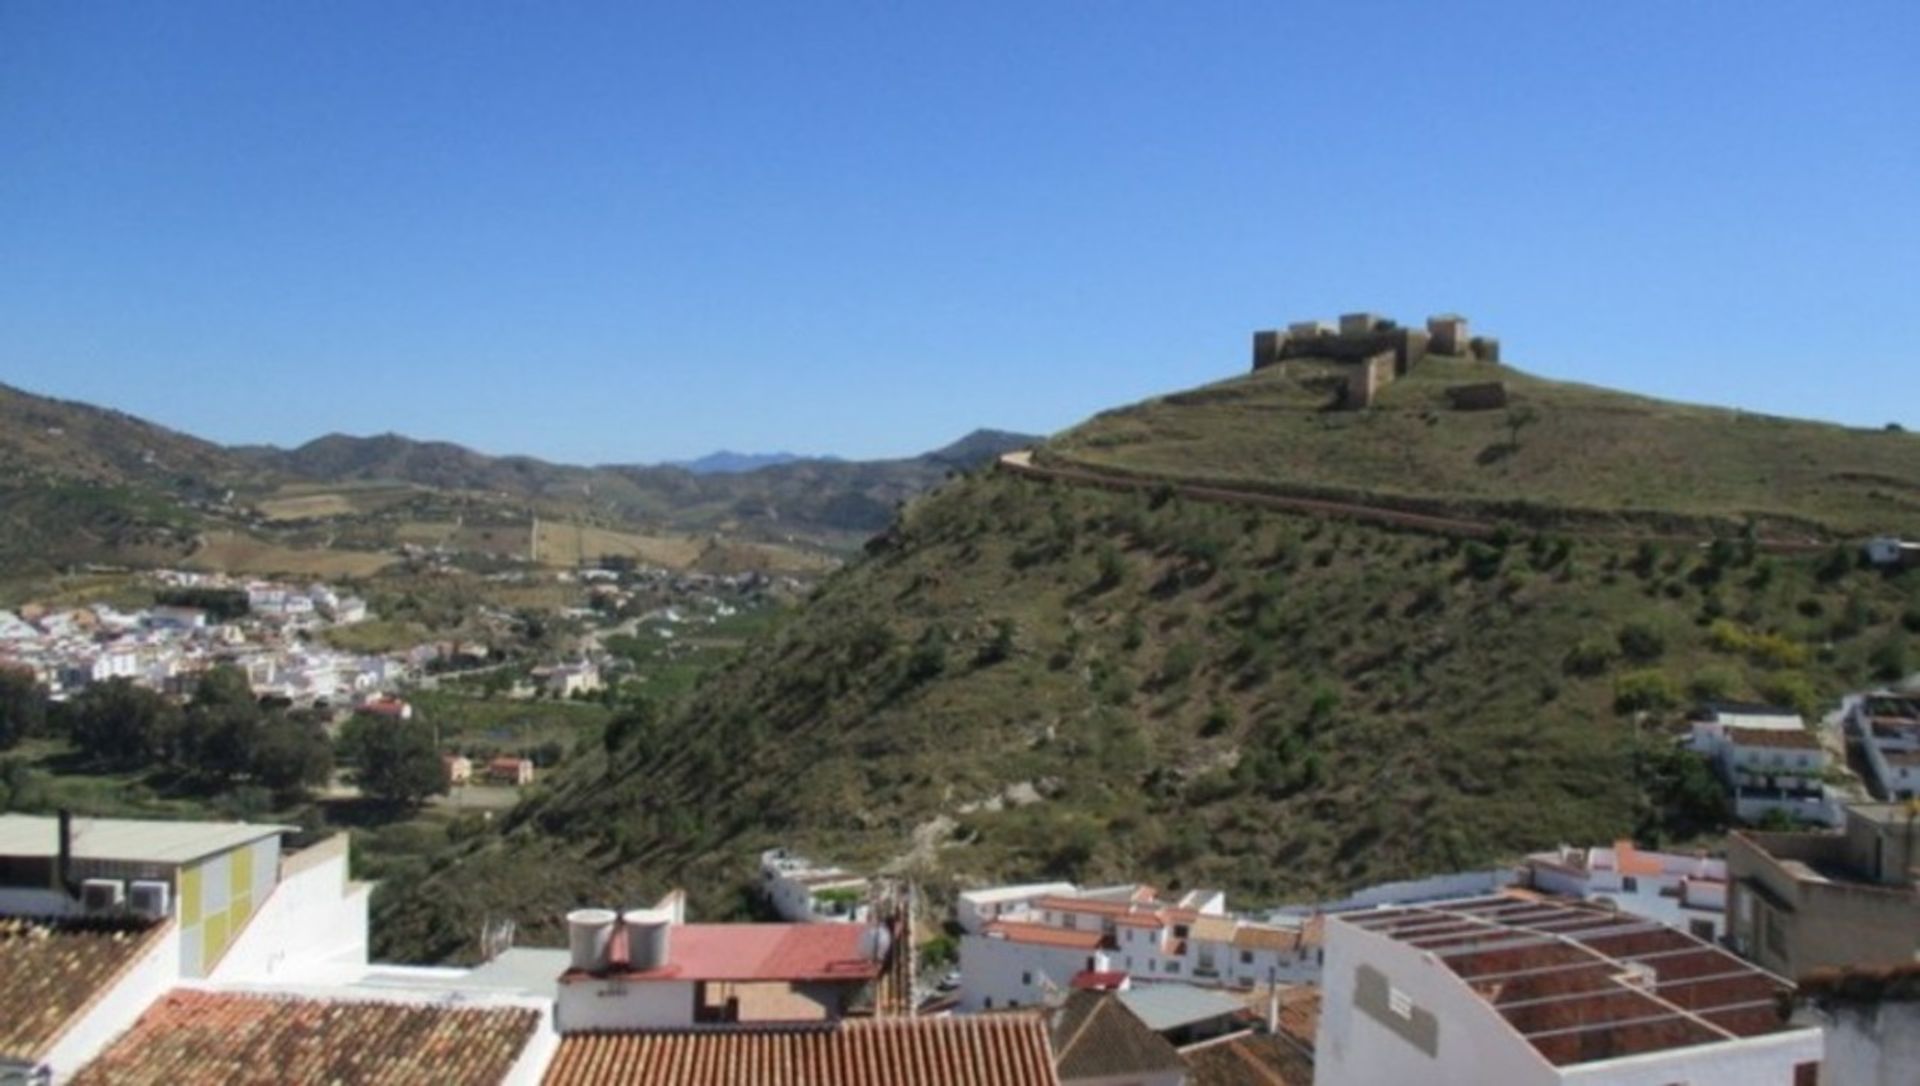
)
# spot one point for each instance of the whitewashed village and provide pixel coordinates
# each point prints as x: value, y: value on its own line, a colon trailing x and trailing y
x: 130, y: 948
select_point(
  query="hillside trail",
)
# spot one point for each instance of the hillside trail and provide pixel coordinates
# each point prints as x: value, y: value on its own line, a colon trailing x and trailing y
x: 1020, y: 463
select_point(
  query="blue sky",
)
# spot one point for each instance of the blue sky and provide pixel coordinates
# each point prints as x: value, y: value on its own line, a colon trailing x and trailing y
x: 627, y: 232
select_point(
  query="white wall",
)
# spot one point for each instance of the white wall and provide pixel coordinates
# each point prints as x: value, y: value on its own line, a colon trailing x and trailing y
x: 115, y: 1011
x: 976, y: 909
x: 612, y: 1004
x: 312, y: 926
x: 1011, y: 974
x: 1475, y: 1046
x: 1751, y: 1061
x: 1872, y: 1046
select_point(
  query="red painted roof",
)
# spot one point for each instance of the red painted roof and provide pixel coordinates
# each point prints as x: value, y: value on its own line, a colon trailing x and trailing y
x: 1110, y: 980
x: 754, y: 952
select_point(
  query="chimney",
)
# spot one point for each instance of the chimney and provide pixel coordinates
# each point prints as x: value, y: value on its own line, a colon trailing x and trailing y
x: 63, y: 863
x: 1273, y: 1002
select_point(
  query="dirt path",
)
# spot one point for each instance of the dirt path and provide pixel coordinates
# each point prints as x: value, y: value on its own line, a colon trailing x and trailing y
x: 1020, y: 462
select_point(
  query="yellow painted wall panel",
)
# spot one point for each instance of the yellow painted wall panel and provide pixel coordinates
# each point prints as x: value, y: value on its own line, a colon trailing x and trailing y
x: 213, y: 943
x: 240, y: 871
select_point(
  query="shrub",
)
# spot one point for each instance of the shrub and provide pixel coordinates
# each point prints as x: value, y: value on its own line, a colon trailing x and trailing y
x: 1890, y: 659
x: 1650, y: 690
x: 1641, y: 643
x: 1589, y: 656
x: 1793, y: 689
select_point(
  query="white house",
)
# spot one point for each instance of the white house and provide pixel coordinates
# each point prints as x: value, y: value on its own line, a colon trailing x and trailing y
x: 975, y: 909
x: 803, y: 892
x: 1539, y: 993
x: 1888, y: 727
x: 1892, y: 551
x: 1769, y: 761
x: 1685, y: 891
x: 1016, y: 964
x: 650, y: 969
x: 119, y: 911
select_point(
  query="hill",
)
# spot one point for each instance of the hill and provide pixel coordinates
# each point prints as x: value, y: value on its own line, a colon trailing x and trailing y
x: 1585, y: 457
x: 85, y: 484
x: 1024, y: 679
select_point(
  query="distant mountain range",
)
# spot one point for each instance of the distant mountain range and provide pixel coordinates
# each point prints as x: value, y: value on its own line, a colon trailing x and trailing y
x: 728, y: 462
x: 98, y: 480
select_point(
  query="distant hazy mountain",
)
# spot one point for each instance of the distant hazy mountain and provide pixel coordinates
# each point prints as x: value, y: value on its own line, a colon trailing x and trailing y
x: 83, y: 483
x: 728, y: 462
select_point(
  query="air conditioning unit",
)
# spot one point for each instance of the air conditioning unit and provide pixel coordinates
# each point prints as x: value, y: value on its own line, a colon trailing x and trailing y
x: 150, y: 898
x: 102, y: 895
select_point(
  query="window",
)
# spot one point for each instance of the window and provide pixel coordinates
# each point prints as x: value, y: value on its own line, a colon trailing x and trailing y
x: 1173, y: 967
x: 1246, y: 957
x: 1806, y: 1074
x: 1027, y: 978
x: 1400, y: 1002
x: 988, y: 1003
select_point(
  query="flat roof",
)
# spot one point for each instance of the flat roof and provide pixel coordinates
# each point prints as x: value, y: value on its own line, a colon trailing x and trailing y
x: 1013, y: 893
x: 1583, y: 983
x: 1169, y: 1006
x: 1885, y: 814
x: 753, y: 952
x: 129, y: 839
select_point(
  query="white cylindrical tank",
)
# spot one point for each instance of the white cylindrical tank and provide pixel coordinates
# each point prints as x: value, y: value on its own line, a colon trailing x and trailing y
x: 875, y: 942
x: 590, y: 938
x: 647, y: 938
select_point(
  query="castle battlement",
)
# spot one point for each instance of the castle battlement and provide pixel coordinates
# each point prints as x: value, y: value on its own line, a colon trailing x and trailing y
x: 1379, y: 348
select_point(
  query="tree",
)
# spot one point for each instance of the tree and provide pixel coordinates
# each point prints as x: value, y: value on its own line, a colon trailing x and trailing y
x: 23, y: 707
x: 398, y: 765
x: 223, y: 729
x: 634, y: 724
x: 1519, y: 418
x: 119, y: 724
x: 291, y: 756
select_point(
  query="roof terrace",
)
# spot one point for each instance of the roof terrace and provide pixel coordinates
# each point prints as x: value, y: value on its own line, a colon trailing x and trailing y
x: 1583, y: 983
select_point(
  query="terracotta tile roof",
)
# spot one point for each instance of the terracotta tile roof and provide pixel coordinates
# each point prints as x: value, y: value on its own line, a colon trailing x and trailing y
x: 753, y: 952
x: 978, y: 1050
x: 1095, y: 1036
x: 1247, y: 1060
x: 1784, y: 738
x: 1261, y: 937
x: 51, y: 971
x: 1632, y: 861
x: 1043, y: 935
x: 1213, y: 929
x: 193, y: 1036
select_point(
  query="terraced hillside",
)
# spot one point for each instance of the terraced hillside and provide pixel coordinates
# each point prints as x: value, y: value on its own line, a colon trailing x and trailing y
x: 1027, y: 679
x: 1579, y: 456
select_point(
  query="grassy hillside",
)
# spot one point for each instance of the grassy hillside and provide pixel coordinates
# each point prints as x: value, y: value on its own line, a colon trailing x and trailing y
x: 1589, y: 455
x: 1027, y: 679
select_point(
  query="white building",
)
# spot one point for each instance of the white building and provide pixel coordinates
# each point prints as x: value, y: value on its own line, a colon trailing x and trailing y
x: 1770, y: 762
x: 648, y: 969
x: 1685, y: 891
x: 975, y: 909
x: 1016, y: 964
x: 1872, y: 1021
x: 201, y: 902
x: 1020, y: 958
x: 1534, y: 993
x: 803, y: 892
x: 1892, y: 551
x: 1887, y: 725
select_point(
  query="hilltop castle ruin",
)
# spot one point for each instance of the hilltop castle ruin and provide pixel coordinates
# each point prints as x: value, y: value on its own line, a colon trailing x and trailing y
x: 1379, y: 349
